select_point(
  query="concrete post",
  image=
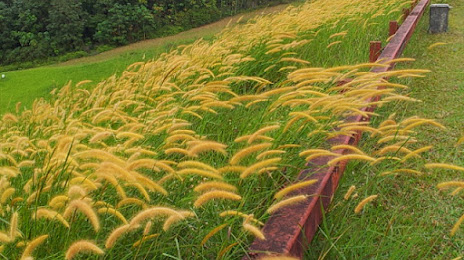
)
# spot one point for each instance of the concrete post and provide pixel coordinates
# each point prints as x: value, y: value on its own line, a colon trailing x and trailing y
x: 439, y: 18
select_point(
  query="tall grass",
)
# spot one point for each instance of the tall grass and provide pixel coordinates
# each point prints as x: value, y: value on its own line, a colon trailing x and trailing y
x: 180, y: 157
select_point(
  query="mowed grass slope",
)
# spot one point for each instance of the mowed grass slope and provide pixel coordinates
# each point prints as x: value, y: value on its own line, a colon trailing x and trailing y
x: 411, y: 218
x: 26, y: 85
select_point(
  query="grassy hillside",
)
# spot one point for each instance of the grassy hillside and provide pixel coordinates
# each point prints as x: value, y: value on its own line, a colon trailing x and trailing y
x: 26, y: 85
x: 185, y: 156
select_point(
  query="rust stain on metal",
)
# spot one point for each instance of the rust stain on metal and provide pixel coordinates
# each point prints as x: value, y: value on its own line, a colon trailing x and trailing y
x: 375, y: 49
x: 289, y: 231
x: 393, y: 28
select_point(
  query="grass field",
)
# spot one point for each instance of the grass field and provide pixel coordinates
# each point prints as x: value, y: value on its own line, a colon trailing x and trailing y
x: 185, y: 156
x: 26, y: 85
x: 411, y: 218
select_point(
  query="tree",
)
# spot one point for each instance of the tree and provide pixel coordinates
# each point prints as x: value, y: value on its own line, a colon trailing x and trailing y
x: 27, y: 34
x: 66, y: 26
x: 39, y: 29
x: 6, y: 26
x: 124, y: 24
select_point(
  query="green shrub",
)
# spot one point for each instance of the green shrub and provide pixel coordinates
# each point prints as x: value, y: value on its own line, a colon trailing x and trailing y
x: 104, y: 47
x: 72, y: 55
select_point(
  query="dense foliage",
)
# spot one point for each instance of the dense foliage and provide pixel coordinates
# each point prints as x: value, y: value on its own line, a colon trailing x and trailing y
x: 32, y: 30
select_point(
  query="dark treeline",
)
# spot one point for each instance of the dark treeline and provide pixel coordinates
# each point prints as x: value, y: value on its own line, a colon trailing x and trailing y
x: 36, y: 30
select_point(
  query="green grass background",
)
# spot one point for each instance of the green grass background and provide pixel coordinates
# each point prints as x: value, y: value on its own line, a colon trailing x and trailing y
x: 411, y: 218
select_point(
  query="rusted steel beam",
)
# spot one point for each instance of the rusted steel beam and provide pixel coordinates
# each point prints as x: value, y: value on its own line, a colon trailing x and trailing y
x: 290, y: 230
x: 396, y: 45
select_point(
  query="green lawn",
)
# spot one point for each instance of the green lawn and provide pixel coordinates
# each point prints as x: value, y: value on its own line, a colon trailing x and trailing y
x: 26, y: 85
x: 411, y: 218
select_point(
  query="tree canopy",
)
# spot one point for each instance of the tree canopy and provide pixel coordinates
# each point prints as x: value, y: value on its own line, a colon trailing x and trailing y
x: 36, y: 30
